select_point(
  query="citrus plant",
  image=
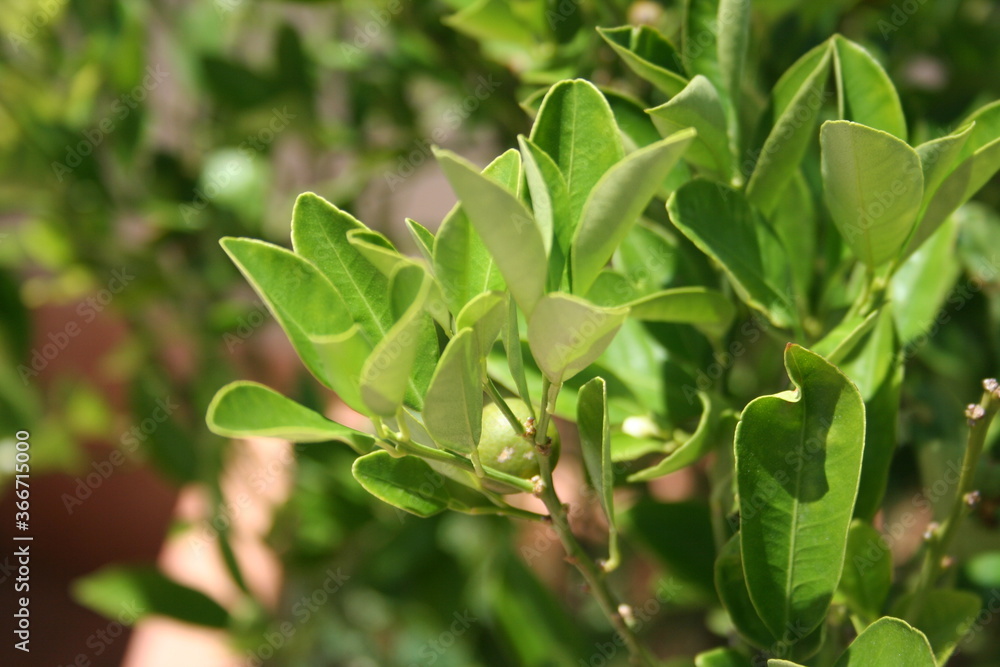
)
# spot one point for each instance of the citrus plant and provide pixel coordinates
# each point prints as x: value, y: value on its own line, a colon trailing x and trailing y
x: 645, y: 273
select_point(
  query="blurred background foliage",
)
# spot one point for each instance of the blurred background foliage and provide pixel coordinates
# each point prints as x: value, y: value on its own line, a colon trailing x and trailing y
x: 136, y: 133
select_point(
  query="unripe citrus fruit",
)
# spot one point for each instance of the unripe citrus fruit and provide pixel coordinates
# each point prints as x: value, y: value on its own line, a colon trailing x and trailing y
x: 502, y: 449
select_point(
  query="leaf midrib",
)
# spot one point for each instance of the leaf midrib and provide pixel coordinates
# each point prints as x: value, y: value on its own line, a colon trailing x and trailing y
x: 790, y: 576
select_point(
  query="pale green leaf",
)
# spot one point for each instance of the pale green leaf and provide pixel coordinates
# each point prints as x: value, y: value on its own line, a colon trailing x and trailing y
x: 700, y: 107
x: 454, y: 407
x: 616, y: 202
x: 798, y: 462
x: 247, y: 409
x: 423, y: 238
x: 730, y: 583
x: 721, y: 657
x: 649, y: 54
x: 924, y: 283
x: 888, y: 641
x: 462, y: 264
x: 486, y: 315
x: 595, y: 446
x: 377, y: 249
x: 576, y: 127
x: 867, y: 95
x: 796, y: 111
x: 873, y: 185
x: 567, y: 333
x: 692, y: 449
x: 946, y: 617
x: 492, y: 20
x: 506, y: 227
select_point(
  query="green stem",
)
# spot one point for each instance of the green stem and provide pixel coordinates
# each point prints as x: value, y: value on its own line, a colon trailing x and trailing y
x: 575, y: 552
x: 444, y: 456
x: 940, y: 540
x: 495, y: 396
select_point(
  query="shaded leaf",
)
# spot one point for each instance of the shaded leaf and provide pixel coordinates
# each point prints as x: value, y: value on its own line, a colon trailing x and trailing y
x: 649, y: 54
x: 595, y: 446
x: 700, y: 107
x: 453, y: 412
x: 689, y: 451
x: 867, y: 571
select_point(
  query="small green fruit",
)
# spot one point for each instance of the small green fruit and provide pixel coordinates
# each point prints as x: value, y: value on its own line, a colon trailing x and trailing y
x: 502, y: 449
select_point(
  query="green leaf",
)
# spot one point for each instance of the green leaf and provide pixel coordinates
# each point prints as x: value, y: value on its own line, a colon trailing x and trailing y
x: 730, y: 583
x: 492, y: 20
x: 595, y: 446
x: 247, y: 409
x: 720, y: 222
x: 880, y: 444
x: 406, y: 482
x: 385, y: 376
x: 733, y: 41
x: 870, y: 362
x: 700, y: 107
x: 938, y: 158
x: 453, y: 410
x: 486, y: 315
x: 515, y: 357
x: 423, y: 238
x: 796, y: 225
x: 549, y: 197
x: 778, y: 662
x: 798, y: 462
x: 796, y: 101
x: 867, y: 571
x: 377, y: 249
x: 505, y: 226
x: 310, y: 310
x: 924, y: 282
x: 866, y: 93
x: 700, y: 31
x: 703, y: 307
x: 979, y: 160
x: 462, y: 263
x: 888, y: 641
x: 319, y: 234
x: 689, y: 451
x: 129, y: 594
x: 567, y: 333
x: 649, y: 54
x: 616, y: 202
x: 873, y: 184
x: 721, y: 657
x: 946, y: 617
x: 576, y: 127
x: 647, y: 256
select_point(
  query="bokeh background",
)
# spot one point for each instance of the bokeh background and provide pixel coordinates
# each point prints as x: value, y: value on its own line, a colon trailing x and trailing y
x: 136, y: 133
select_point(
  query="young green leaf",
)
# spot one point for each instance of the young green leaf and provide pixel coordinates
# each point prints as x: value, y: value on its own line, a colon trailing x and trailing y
x: 700, y: 107
x: 453, y: 410
x: 576, y: 127
x: 880, y: 444
x: 721, y: 223
x: 873, y: 358
x: 616, y: 202
x: 486, y: 315
x: 319, y: 234
x: 703, y: 307
x: 733, y: 41
x: 309, y: 309
x: 649, y: 54
x: 247, y: 409
x: 888, y: 641
x: 385, y: 376
x: 689, y: 451
x: 377, y: 249
x: 938, y: 158
x: 700, y: 30
x: 549, y: 197
x: 567, y: 333
x: 796, y: 102
x: 796, y: 225
x: 866, y: 94
x: 423, y: 238
x: 867, y: 571
x: 647, y: 256
x: 406, y: 482
x: 873, y: 185
x: 511, y: 336
x: 925, y: 282
x: 595, y: 445
x: 798, y: 462
x: 136, y: 593
x: 492, y: 20
x: 462, y: 263
x: 506, y: 227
